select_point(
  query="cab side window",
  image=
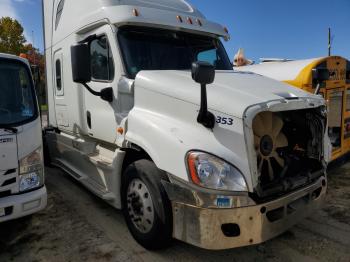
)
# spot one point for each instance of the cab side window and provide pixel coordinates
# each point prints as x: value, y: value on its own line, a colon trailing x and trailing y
x: 102, y: 66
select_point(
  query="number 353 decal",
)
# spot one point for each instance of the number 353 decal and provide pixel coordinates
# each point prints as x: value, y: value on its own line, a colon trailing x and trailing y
x: 224, y: 120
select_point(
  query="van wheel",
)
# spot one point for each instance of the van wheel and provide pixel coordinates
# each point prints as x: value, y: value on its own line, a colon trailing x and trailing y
x: 146, y: 207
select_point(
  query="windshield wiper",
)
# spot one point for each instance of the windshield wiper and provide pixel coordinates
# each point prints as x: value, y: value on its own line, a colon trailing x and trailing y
x: 9, y: 128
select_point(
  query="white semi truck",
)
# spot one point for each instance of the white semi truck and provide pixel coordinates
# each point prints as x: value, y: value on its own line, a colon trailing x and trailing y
x: 22, y: 189
x: 147, y: 113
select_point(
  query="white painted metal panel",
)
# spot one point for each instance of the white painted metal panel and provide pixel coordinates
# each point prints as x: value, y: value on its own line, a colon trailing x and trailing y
x: 281, y: 71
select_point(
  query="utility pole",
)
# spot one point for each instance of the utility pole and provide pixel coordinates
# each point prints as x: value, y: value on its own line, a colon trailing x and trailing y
x: 329, y: 41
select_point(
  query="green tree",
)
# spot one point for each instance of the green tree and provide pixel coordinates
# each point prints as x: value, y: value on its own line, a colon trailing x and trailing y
x: 11, y: 36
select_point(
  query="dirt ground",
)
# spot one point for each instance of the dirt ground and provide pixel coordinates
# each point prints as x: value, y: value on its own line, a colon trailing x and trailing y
x: 77, y: 226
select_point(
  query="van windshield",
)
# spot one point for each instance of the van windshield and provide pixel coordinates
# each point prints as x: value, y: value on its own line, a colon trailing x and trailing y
x: 157, y: 49
x: 17, y: 98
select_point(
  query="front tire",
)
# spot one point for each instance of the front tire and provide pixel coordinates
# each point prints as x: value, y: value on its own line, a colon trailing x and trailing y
x: 146, y: 207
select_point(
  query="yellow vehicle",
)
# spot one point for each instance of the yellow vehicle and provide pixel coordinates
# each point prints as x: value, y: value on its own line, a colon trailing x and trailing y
x: 336, y: 90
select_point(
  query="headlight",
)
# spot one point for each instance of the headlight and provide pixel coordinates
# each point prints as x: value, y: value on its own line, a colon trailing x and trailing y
x: 211, y: 172
x: 31, y: 171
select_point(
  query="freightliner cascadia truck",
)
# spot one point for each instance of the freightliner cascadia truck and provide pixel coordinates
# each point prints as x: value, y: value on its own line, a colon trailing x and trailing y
x: 146, y: 112
x: 22, y: 189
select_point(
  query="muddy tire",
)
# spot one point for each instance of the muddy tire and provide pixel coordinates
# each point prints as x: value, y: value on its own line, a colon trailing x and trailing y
x: 146, y: 207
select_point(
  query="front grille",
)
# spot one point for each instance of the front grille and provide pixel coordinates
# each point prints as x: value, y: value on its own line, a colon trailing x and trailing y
x: 8, y: 182
x: 10, y: 171
x: 289, y: 150
x: 280, y: 188
x: 5, y: 193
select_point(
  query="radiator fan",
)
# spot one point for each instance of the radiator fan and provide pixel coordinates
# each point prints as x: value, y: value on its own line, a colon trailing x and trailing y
x: 267, y: 128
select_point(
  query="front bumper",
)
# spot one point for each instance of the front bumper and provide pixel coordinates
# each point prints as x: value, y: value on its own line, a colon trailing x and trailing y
x: 216, y: 228
x: 17, y: 206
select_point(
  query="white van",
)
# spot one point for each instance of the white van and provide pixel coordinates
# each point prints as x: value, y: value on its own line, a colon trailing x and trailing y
x: 22, y: 189
x: 147, y: 113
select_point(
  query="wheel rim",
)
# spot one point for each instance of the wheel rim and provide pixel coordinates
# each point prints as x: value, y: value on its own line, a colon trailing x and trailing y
x: 140, y: 206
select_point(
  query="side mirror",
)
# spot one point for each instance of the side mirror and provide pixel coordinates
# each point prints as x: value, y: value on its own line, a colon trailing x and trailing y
x: 81, y: 65
x: 320, y: 74
x: 203, y: 73
x: 106, y: 94
x: 81, y: 70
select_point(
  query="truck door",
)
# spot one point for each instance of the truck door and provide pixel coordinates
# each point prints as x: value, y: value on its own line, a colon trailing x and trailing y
x: 100, y: 114
x: 60, y: 103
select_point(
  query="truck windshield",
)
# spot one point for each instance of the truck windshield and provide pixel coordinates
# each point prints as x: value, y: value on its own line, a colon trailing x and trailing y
x: 157, y: 49
x: 17, y: 98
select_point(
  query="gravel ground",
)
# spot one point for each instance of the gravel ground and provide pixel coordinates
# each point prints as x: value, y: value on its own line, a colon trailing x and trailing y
x: 77, y: 226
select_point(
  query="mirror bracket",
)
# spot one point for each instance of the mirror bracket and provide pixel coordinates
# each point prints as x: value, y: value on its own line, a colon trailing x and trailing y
x: 205, y: 117
x: 106, y: 94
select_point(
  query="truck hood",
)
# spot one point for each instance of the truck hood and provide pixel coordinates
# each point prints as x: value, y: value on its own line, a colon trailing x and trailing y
x: 232, y: 92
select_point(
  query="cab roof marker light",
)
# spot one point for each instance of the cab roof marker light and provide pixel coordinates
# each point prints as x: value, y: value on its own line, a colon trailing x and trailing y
x: 189, y: 20
x: 135, y: 12
x: 226, y: 30
x: 199, y: 22
x: 179, y: 18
